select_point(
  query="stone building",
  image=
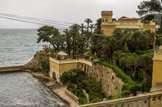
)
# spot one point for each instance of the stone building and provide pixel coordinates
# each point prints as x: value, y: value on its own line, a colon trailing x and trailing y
x: 58, y: 67
x: 157, y: 70
x: 133, y: 24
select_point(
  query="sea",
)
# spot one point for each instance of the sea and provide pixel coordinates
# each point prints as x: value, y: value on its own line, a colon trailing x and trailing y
x: 18, y: 46
x: 21, y: 89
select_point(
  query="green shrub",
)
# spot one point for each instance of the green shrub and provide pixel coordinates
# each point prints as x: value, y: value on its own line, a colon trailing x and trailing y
x: 76, y: 56
x: 85, y: 50
x: 51, y: 53
x: 45, y: 66
x: 140, y: 52
x: 86, y: 57
x: 78, y: 80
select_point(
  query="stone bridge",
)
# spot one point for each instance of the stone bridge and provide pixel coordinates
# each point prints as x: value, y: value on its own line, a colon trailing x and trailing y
x: 146, y: 100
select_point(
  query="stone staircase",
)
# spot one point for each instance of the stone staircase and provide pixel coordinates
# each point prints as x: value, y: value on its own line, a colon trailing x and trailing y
x: 61, y: 92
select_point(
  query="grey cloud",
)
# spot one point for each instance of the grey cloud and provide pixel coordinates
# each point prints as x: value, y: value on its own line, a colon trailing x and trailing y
x: 74, y: 11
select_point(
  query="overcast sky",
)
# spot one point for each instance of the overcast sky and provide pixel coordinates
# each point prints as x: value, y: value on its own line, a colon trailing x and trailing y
x: 73, y: 11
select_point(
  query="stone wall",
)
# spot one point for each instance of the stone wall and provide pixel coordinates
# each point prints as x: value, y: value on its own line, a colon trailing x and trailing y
x: 12, y: 68
x: 145, y: 100
x: 137, y: 101
x: 111, y: 84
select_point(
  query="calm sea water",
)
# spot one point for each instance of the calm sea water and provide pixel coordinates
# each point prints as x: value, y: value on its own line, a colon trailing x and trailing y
x: 18, y: 46
x: 20, y: 89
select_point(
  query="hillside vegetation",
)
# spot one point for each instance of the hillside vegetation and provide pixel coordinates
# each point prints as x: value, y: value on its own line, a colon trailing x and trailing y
x: 129, y: 54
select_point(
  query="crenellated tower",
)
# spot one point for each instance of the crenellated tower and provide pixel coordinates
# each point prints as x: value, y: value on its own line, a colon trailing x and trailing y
x: 107, y: 26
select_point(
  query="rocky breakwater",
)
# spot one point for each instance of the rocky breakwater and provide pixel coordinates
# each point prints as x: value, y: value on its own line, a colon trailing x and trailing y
x: 111, y: 84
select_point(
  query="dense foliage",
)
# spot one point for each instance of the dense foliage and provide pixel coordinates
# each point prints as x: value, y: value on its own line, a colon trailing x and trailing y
x: 45, y: 66
x: 148, y: 9
x: 74, y: 40
x: 128, y: 53
x: 78, y: 80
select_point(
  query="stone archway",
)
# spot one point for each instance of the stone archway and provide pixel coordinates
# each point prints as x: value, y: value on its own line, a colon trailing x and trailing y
x: 54, y: 75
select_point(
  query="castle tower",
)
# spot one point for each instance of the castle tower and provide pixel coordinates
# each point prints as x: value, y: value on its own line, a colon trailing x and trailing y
x: 106, y: 16
x: 107, y: 26
x: 157, y: 70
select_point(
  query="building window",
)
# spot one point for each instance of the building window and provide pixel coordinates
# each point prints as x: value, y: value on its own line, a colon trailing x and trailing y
x: 103, y: 20
x: 106, y: 20
x: 159, y: 97
x: 154, y: 99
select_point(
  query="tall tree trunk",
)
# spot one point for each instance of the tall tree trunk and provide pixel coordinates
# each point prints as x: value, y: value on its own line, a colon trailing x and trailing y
x: 68, y: 47
x: 54, y: 46
x: 73, y: 47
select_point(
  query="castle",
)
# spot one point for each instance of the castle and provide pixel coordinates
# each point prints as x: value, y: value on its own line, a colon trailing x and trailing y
x: 132, y: 24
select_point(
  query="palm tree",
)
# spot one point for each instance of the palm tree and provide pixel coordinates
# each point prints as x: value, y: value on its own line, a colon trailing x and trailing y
x: 74, y: 32
x: 68, y: 40
x: 88, y: 21
x: 82, y: 28
x: 91, y: 27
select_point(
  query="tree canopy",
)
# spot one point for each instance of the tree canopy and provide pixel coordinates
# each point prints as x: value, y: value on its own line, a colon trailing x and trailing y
x: 148, y: 9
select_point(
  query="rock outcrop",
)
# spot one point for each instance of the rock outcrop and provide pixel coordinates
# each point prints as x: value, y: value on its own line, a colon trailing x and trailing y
x: 35, y: 63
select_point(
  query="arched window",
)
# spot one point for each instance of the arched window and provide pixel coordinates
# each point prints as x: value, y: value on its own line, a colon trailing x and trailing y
x: 106, y: 20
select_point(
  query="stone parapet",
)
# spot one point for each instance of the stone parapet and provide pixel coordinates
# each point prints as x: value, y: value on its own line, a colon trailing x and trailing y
x: 70, y: 94
x: 147, y: 100
x: 88, y: 62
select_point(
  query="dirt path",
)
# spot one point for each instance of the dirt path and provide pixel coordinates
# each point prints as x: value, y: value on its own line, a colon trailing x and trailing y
x: 41, y: 75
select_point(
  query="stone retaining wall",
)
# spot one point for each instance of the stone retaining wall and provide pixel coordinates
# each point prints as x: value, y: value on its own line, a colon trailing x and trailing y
x: 147, y: 100
x: 111, y: 84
